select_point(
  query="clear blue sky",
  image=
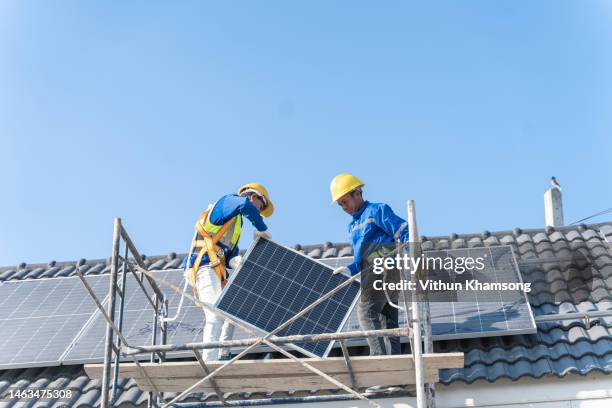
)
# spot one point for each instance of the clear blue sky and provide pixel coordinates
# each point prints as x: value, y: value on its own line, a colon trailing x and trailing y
x: 150, y: 110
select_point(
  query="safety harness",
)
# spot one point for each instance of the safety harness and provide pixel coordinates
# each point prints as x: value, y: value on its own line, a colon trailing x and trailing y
x: 208, y: 235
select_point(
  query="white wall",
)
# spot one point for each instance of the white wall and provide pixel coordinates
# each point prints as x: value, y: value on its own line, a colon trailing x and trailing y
x: 571, y: 391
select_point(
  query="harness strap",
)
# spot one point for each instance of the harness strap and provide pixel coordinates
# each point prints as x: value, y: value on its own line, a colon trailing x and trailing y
x: 208, y: 246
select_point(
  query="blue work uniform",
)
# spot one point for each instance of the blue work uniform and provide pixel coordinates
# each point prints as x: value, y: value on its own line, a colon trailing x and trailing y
x: 374, y: 223
x: 226, y: 208
x: 374, y: 226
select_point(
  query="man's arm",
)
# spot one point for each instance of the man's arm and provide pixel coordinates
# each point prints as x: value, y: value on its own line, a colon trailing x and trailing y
x: 248, y: 210
x: 355, y: 266
x: 235, y: 253
x: 392, y: 224
x: 233, y: 205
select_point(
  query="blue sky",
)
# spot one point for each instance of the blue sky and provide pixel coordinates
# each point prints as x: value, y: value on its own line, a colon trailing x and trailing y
x: 150, y: 110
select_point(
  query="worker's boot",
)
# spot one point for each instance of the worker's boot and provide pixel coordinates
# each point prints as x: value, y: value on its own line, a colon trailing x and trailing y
x: 225, y: 355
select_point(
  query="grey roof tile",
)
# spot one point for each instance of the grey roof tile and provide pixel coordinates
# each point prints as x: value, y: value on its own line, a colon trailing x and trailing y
x: 89, y: 398
x: 590, y: 234
x: 131, y: 394
x: 68, y: 270
x: 315, y: 253
x: 346, y: 251
x: 158, y: 264
x: 606, y: 230
x: 493, y: 240
x: 573, y: 235
x: 97, y: 269
x: 458, y: 243
x: 556, y: 236
x: 541, y: 237
x: 5, y: 275
x: 50, y: 272
x: 475, y: 242
x: 35, y: 273
x: 428, y: 246
x: 173, y: 264
x: 330, y: 253
x: 524, y: 238
x: 443, y: 244
x: 20, y: 274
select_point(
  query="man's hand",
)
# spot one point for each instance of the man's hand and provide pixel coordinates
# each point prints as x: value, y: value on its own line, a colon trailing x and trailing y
x: 343, y: 270
x: 264, y: 234
x: 235, y: 262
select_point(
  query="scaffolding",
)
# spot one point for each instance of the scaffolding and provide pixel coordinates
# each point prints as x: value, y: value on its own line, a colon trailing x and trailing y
x: 347, y: 373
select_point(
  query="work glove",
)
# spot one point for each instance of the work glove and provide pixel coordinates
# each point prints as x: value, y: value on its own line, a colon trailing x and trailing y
x: 264, y: 234
x: 235, y: 262
x: 343, y: 270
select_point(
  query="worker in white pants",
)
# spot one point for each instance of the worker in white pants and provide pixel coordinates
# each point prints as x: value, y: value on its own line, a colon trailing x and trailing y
x: 215, y: 248
x: 215, y: 327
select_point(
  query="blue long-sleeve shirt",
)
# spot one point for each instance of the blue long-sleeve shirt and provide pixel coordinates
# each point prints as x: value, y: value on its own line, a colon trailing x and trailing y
x: 374, y: 223
x: 226, y: 208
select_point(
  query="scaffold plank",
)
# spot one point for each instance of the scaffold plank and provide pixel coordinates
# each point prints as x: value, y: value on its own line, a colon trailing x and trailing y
x: 285, y: 374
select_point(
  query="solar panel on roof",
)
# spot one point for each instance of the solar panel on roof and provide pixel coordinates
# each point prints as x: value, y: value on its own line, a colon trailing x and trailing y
x: 483, y: 313
x: 337, y: 262
x: 275, y: 283
x: 40, y: 318
x: 138, y: 321
x: 474, y: 313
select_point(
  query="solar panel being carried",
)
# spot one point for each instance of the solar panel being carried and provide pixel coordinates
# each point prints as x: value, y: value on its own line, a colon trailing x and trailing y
x: 275, y: 283
x: 41, y: 317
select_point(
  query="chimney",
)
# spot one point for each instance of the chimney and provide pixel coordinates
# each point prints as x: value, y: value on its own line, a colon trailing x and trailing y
x: 553, y: 207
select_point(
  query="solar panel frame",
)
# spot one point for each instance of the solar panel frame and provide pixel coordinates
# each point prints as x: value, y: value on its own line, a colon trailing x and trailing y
x: 45, y: 324
x: 138, y: 318
x: 353, y: 324
x: 524, y: 302
x: 261, y: 332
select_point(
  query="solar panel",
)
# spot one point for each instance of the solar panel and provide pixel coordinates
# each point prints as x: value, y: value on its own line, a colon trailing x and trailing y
x: 138, y: 321
x: 337, y: 262
x: 40, y: 317
x: 482, y: 313
x: 275, y: 283
x: 474, y: 313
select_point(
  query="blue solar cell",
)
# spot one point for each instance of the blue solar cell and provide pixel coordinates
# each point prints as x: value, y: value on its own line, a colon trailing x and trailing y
x: 472, y: 313
x: 138, y: 321
x: 41, y: 317
x: 277, y: 283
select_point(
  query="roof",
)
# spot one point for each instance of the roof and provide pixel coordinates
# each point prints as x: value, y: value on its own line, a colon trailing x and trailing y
x: 559, y: 286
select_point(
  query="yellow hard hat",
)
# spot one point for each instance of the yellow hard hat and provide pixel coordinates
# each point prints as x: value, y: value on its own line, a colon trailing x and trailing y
x: 261, y: 190
x: 342, y: 184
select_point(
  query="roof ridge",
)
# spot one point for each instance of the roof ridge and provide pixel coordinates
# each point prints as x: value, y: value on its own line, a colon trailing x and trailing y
x: 338, y: 245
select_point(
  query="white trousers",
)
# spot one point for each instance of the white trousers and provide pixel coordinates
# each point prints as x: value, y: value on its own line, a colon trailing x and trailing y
x: 215, y: 327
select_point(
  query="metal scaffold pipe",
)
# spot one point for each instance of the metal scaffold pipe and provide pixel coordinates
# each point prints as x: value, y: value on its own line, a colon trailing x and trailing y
x: 308, y: 338
x: 108, y: 344
x: 416, y: 323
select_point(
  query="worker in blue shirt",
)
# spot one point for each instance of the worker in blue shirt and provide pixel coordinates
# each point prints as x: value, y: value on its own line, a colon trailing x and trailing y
x: 374, y: 231
x: 214, y: 248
